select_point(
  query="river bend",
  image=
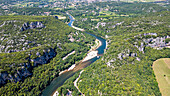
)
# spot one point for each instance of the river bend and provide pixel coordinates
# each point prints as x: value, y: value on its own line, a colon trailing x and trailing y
x: 59, y: 81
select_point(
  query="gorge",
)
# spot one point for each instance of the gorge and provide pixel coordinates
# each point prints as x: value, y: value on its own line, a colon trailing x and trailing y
x: 58, y: 81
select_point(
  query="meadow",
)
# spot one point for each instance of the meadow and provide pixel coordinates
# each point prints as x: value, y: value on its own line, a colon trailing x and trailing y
x: 161, y: 69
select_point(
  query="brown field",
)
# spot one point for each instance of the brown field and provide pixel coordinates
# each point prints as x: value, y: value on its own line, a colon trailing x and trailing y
x: 161, y: 69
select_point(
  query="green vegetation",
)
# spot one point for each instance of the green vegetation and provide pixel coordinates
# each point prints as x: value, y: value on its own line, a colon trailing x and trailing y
x: 31, y: 57
x: 104, y: 12
x: 69, y: 85
x: 167, y: 40
x: 38, y: 57
x: 161, y: 69
x: 126, y: 67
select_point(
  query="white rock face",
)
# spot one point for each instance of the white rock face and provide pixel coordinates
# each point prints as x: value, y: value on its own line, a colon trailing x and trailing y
x: 32, y: 25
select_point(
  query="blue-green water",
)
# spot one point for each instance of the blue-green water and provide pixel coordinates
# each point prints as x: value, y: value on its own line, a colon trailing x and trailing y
x: 59, y: 81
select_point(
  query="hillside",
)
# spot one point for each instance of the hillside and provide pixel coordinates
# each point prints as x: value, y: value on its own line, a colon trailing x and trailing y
x: 32, y: 49
x: 95, y: 18
x: 134, y: 43
x: 35, y: 46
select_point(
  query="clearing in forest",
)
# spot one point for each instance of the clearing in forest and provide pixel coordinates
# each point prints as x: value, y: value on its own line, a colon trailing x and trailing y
x: 161, y: 69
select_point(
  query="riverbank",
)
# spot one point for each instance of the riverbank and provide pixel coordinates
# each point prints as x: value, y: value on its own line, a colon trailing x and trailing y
x: 93, y: 53
x: 90, y: 55
x: 98, y: 43
x: 56, y: 93
x: 70, y: 68
x: 75, y: 83
x: 96, y: 50
x: 68, y: 55
x: 77, y: 28
x: 70, y: 15
x: 106, y: 46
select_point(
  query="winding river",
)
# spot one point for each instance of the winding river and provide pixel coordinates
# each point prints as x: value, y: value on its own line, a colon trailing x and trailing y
x: 59, y: 81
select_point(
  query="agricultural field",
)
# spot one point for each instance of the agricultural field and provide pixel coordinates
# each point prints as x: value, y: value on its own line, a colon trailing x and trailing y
x: 161, y: 69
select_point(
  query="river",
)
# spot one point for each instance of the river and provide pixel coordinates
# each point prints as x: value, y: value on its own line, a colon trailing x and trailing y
x: 59, y: 81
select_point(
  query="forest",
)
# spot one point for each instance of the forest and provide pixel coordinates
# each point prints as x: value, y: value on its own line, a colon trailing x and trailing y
x: 30, y: 60
x: 134, y: 43
x: 34, y: 43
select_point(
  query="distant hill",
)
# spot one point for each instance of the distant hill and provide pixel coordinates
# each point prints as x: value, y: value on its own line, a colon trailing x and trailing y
x: 116, y: 0
x: 10, y: 1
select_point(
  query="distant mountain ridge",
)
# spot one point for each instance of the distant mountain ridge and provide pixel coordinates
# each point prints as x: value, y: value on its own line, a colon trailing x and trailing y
x: 7, y: 1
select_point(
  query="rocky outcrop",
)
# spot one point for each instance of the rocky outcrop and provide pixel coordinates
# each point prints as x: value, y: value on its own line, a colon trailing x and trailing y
x: 15, y: 43
x: 32, y: 25
x: 127, y: 53
x: 7, y: 22
x: 156, y: 42
x: 2, y: 24
x: 110, y: 62
x: 141, y: 47
x: 100, y: 23
x: 25, y: 68
x: 48, y: 55
x: 144, y: 40
x: 22, y: 73
x: 117, y: 24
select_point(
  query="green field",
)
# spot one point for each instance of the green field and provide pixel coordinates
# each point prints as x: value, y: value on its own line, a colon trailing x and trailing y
x: 161, y: 69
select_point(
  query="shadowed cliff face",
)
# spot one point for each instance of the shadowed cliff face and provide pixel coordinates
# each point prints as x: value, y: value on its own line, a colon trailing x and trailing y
x: 32, y: 25
x: 25, y: 69
x: 48, y: 55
